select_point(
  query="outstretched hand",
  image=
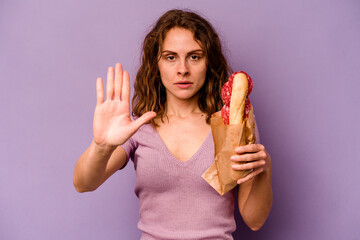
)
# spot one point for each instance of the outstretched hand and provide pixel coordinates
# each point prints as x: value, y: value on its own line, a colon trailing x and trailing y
x: 112, y: 124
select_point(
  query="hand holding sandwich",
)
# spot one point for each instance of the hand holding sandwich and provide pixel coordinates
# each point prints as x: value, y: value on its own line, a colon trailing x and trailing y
x: 237, y: 157
x: 253, y: 157
x: 250, y: 161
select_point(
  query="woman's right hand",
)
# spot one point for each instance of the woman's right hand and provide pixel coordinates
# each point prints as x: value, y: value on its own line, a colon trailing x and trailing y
x: 112, y: 124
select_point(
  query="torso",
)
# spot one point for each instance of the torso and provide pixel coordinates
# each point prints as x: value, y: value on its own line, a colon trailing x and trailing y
x: 183, y: 137
x: 168, y: 187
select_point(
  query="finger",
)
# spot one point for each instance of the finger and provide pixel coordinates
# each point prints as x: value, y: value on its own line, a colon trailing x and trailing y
x: 99, y: 91
x: 247, y: 157
x: 110, y: 84
x: 250, y: 176
x: 249, y: 148
x: 146, y: 117
x: 125, y: 93
x: 249, y: 166
x: 118, y: 80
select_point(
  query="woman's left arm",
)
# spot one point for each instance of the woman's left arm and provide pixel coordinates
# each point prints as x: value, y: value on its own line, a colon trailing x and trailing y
x: 255, y: 195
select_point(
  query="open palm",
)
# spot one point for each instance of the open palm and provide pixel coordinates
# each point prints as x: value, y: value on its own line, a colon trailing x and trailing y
x: 112, y: 122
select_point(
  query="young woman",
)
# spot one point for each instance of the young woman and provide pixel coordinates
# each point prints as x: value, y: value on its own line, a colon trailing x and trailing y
x: 177, y: 88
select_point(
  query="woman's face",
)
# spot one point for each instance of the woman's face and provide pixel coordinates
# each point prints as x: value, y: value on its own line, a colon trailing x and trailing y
x: 182, y: 64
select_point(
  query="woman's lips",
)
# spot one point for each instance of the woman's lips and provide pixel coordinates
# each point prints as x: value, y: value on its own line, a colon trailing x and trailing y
x: 183, y: 84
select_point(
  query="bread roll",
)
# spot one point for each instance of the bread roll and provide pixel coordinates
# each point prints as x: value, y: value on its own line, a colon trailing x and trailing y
x: 239, y: 94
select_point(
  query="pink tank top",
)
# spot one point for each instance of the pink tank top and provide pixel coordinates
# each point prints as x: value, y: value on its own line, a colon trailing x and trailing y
x: 175, y: 201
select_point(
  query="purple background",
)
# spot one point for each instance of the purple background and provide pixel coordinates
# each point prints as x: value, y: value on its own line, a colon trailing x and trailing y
x: 302, y: 55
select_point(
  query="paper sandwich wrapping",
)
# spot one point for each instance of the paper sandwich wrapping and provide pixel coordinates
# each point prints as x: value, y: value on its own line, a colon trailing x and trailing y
x: 220, y: 174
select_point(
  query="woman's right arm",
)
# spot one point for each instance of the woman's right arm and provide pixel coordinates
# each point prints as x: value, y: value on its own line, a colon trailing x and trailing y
x: 112, y: 127
x: 96, y: 165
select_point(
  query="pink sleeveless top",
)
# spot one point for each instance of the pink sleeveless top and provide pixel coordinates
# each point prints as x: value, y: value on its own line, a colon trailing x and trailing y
x: 175, y: 201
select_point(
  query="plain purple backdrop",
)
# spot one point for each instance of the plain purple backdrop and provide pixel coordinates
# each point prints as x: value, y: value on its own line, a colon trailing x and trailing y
x: 302, y: 55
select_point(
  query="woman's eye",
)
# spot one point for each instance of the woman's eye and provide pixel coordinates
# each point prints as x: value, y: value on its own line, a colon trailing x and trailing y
x: 195, y: 57
x: 170, y: 57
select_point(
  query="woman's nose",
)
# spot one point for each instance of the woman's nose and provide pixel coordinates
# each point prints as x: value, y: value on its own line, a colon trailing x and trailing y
x: 183, y: 69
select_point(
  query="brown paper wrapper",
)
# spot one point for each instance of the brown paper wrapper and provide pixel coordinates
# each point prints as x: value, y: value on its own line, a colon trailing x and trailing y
x: 220, y: 175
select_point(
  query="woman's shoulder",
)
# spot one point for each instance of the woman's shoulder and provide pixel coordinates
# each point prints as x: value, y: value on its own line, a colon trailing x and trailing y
x: 144, y: 134
x: 144, y: 131
x: 147, y: 127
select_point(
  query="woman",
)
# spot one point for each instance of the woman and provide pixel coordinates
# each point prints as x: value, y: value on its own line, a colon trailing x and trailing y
x: 177, y: 88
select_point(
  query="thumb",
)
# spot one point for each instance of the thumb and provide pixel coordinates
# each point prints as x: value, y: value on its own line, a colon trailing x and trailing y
x: 146, y: 117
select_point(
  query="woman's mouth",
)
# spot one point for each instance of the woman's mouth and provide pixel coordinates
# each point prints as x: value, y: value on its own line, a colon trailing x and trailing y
x: 183, y: 84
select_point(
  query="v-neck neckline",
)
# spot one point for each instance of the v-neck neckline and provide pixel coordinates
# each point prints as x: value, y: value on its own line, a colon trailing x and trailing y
x: 175, y: 159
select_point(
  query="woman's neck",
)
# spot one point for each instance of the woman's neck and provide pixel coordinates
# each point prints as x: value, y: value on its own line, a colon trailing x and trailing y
x: 182, y: 108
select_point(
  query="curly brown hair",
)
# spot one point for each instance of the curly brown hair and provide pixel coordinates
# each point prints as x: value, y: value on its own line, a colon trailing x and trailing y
x: 150, y: 94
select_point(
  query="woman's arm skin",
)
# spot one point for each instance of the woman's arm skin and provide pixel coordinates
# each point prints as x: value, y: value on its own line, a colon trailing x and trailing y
x: 112, y: 127
x: 255, y: 195
x: 96, y: 165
